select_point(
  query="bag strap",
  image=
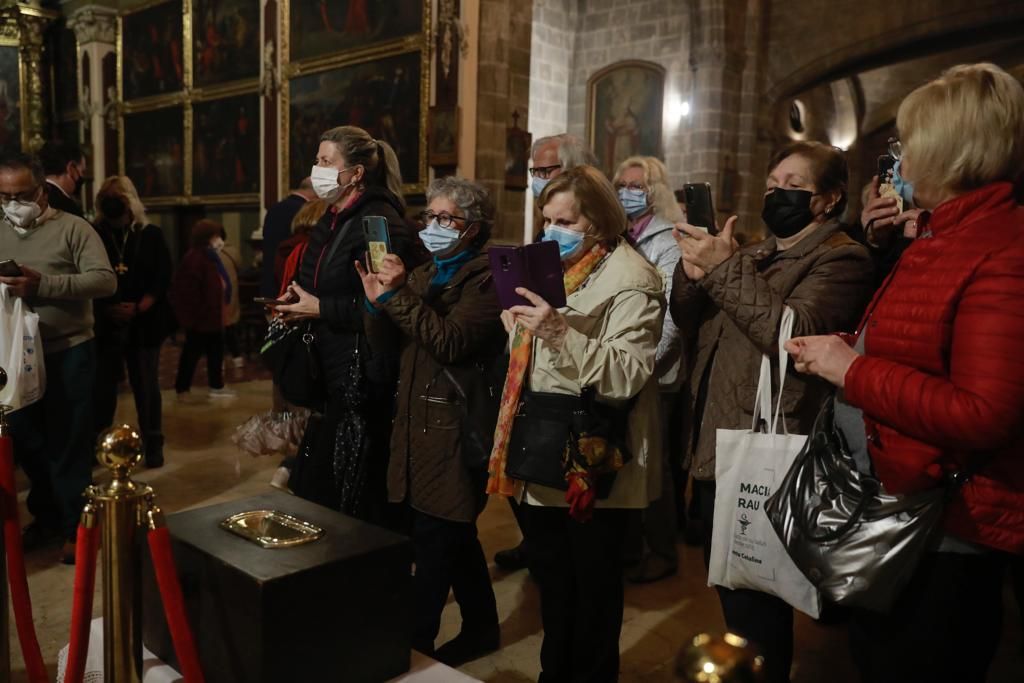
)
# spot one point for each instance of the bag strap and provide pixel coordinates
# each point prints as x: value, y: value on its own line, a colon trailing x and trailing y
x: 763, y: 396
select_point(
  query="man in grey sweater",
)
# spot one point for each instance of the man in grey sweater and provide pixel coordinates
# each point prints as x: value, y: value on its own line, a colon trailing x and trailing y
x: 64, y: 267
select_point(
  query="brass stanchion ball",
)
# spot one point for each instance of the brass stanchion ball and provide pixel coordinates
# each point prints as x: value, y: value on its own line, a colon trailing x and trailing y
x: 719, y: 659
x: 3, y: 379
x: 119, y: 449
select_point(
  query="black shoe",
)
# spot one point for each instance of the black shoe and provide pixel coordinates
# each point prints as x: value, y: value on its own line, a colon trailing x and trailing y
x: 39, y: 535
x: 512, y: 559
x: 154, y: 451
x: 470, y: 644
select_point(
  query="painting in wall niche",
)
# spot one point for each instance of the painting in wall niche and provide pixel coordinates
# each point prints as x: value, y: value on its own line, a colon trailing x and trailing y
x: 443, y: 136
x: 226, y: 157
x: 10, y: 100
x: 65, y: 68
x: 152, y: 51
x: 625, y: 112
x: 226, y: 40
x: 323, y: 27
x: 154, y: 151
x: 381, y: 96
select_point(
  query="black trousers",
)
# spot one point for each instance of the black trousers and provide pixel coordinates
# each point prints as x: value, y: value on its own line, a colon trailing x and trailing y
x: 944, y: 627
x: 198, y: 344
x: 578, y: 569
x: 765, y: 620
x: 53, y: 439
x: 449, y: 557
x: 143, y: 376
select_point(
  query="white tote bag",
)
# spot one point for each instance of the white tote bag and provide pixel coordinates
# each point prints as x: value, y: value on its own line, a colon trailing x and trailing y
x: 21, y: 352
x: 745, y: 550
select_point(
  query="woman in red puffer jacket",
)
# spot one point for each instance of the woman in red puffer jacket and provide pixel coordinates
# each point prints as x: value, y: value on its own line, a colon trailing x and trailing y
x: 938, y: 373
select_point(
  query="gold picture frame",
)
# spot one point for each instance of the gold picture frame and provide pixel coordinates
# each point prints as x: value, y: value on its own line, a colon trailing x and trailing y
x: 640, y: 86
x: 10, y: 38
x: 421, y: 43
x: 185, y: 98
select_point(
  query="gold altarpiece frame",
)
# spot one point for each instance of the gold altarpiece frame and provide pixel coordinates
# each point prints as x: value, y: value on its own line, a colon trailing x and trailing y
x: 22, y: 26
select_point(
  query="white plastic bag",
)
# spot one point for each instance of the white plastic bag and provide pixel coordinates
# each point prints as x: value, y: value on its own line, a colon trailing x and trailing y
x: 21, y: 352
x: 745, y: 550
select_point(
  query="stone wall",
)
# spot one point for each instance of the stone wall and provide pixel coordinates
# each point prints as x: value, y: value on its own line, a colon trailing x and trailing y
x: 551, y: 59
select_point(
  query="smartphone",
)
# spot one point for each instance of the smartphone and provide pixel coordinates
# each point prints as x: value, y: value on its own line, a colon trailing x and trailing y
x: 700, y: 210
x: 268, y: 301
x: 537, y: 267
x: 8, y: 268
x: 378, y: 241
x: 886, y: 189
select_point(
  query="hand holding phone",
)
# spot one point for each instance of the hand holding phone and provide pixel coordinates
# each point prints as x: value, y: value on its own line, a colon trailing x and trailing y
x: 267, y: 301
x: 700, y: 210
x: 378, y: 241
x: 9, y: 268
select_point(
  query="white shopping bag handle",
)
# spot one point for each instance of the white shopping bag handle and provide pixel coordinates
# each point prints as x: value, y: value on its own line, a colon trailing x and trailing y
x: 763, y: 397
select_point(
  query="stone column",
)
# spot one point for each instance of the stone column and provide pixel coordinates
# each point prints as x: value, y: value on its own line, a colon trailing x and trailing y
x: 95, y: 28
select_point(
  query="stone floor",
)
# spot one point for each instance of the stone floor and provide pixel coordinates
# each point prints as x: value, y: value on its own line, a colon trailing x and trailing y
x: 203, y: 467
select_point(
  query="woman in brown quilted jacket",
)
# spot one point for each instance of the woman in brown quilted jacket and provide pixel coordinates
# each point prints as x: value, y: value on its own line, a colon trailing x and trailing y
x: 448, y: 315
x: 728, y: 303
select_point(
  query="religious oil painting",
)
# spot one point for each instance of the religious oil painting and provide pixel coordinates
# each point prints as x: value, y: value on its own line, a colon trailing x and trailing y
x: 10, y: 100
x: 225, y: 40
x: 154, y: 151
x: 65, y: 67
x: 381, y: 96
x: 152, y: 51
x: 319, y: 28
x: 625, y: 112
x: 226, y: 158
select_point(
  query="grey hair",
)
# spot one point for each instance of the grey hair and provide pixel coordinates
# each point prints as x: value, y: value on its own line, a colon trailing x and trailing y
x: 572, y: 151
x: 465, y: 194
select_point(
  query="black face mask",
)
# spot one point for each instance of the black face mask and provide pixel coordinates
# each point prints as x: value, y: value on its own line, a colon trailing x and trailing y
x: 113, y: 207
x: 787, y: 212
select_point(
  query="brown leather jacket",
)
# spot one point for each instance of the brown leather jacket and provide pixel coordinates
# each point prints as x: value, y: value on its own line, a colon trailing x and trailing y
x: 456, y: 327
x: 732, y: 317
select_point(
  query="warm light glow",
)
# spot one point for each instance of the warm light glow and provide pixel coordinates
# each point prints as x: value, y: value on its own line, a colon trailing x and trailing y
x: 676, y: 110
x: 709, y: 667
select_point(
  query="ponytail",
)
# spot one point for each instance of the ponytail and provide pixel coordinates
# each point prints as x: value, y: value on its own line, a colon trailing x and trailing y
x: 389, y: 170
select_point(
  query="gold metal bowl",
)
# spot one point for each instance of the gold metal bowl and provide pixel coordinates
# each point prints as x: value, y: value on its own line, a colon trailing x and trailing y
x: 272, y: 528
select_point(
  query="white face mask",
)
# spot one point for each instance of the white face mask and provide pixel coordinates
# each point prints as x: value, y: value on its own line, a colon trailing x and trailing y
x: 325, y: 183
x: 22, y: 214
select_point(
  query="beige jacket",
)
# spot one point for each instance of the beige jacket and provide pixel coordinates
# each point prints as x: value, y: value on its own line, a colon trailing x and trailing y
x: 615, y: 321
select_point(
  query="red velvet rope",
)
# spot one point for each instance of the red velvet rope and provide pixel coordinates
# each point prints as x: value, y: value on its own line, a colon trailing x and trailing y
x: 20, y: 599
x: 81, y: 612
x: 174, y: 605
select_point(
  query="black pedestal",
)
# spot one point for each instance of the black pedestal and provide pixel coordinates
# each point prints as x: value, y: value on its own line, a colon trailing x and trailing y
x: 336, y: 609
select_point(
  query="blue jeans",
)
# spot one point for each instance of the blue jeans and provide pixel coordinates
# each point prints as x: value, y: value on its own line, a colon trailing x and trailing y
x: 53, y: 439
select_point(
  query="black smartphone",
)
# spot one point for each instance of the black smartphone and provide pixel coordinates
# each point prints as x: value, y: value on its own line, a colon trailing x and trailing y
x: 378, y: 241
x: 885, y: 165
x: 268, y: 301
x: 700, y: 210
x: 8, y: 268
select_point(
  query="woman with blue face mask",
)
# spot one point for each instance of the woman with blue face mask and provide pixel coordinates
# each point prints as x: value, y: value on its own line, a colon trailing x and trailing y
x: 647, y: 199
x: 447, y: 313
x: 578, y: 423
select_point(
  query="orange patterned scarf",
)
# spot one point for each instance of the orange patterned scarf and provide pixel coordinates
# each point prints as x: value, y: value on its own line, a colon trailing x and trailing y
x: 519, y: 362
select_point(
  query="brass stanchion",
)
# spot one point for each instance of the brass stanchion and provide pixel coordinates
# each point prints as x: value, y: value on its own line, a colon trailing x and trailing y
x: 719, y: 659
x: 5, y: 619
x: 121, y: 506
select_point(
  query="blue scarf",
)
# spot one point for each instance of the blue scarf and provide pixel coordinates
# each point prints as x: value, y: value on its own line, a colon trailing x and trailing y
x: 222, y: 271
x: 447, y: 268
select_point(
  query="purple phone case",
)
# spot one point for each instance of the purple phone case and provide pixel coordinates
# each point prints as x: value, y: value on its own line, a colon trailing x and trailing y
x: 537, y: 267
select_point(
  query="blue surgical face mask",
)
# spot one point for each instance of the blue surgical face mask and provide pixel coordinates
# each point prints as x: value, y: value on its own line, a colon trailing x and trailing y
x: 633, y: 201
x: 439, y: 241
x: 904, y: 187
x: 538, y: 185
x: 569, y: 241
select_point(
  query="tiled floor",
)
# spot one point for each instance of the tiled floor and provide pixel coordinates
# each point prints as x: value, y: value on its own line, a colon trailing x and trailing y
x: 203, y: 467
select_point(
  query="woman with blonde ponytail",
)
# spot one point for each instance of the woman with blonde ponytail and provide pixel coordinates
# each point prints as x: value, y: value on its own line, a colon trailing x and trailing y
x: 342, y: 464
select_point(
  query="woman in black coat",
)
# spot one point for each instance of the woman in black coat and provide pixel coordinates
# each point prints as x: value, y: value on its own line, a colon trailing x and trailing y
x: 343, y: 465
x: 132, y: 325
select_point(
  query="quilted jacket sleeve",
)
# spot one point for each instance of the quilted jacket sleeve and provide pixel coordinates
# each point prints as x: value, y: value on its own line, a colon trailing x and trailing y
x: 686, y: 303
x: 980, y: 405
x: 461, y: 333
x: 829, y: 298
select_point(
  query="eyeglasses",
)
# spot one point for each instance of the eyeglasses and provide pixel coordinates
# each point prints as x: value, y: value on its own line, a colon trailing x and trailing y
x: 26, y: 196
x: 445, y: 220
x: 632, y: 187
x: 544, y: 172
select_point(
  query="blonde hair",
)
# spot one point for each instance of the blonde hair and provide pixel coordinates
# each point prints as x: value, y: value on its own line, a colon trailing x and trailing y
x: 593, y: 197
x: 964, y: 130
x: 308, y: 216
x: 123, y: 187
x: 376, y: 156
x: 656, y: 178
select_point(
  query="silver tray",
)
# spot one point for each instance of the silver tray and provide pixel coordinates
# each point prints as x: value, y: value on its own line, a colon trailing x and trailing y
x: 272, y: 528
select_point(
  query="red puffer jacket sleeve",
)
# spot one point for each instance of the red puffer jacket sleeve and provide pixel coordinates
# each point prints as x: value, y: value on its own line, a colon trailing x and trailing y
x: 980, y: 406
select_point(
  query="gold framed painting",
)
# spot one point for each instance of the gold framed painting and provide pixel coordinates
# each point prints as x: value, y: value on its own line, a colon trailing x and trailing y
x: 225, y: 42
x: 625, y: 104
x: 154, y: 153
x: 12, y: 110
x: 152, y: 59
x: 387, y: 95
x: 226, y: 149
x: 315, y: 30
